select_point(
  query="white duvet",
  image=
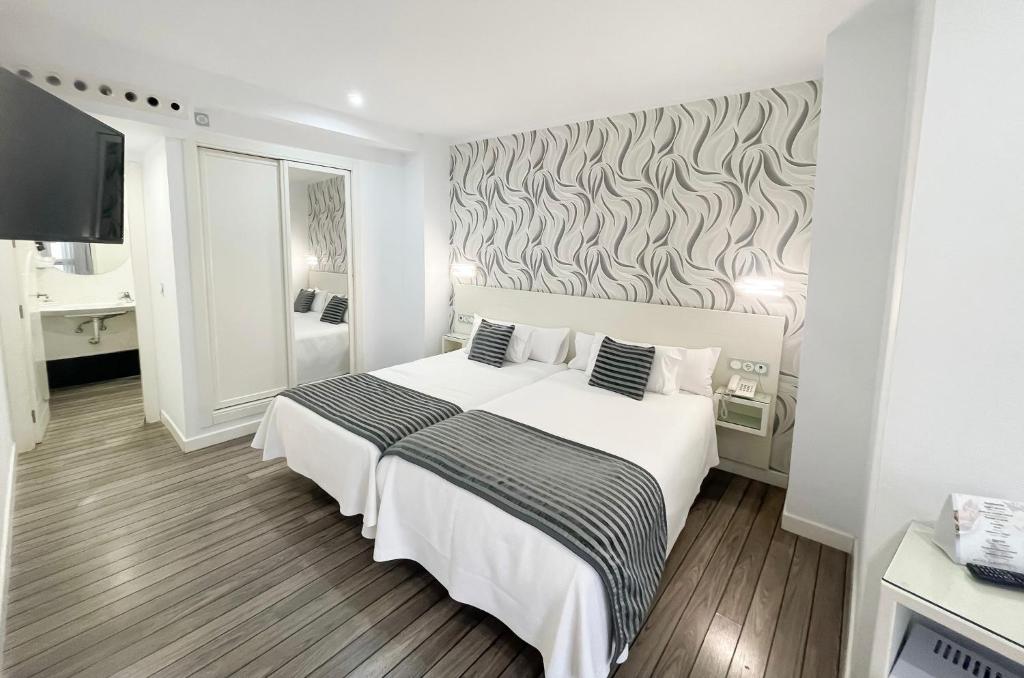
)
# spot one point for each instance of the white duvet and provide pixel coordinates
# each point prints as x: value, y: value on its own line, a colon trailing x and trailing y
x: 485, y: 557
x: 345, y: 465
x: 321, y: 349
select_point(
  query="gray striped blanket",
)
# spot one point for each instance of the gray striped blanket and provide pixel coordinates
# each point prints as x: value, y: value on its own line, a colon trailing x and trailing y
x: 371, y: 407
x: 605, y: 509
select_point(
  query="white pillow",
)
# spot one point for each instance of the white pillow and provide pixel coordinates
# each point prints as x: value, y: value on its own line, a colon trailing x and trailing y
x: 320, y: 300
x: 548, y: 344
x: 664, y: 370
x: 518, y: 347
x: 697, y: 370
x: 583, y: 343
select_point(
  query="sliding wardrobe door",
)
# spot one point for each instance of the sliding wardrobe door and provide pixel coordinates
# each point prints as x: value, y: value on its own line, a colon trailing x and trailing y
x: 245, y: 276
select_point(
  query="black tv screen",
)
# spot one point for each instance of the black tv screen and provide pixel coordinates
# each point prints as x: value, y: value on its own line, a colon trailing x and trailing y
x: 61, y: 171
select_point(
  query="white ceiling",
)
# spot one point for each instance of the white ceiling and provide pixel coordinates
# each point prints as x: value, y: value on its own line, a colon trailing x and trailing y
x: 471, y: 68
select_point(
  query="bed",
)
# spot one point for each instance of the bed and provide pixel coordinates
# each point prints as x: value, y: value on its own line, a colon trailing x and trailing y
x: 321, y: 349
x: 344, y: 464
x: 485, y: 557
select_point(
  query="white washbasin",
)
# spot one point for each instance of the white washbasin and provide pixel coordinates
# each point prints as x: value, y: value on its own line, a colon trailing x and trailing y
x: 90, y: 309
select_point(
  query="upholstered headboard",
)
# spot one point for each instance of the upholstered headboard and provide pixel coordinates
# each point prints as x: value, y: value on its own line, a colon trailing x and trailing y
x: 332, y: 282
x: 744, y: 336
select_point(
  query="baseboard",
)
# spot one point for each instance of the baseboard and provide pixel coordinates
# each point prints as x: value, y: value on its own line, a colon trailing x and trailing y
x: 817, y: 532
x: 198, y: 442
x: 5, y: 545
x: 769, y: 476
x: 173, y: 429
x: 852, y: 589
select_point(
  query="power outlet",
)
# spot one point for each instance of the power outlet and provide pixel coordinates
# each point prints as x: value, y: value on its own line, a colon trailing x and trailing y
x: 749, y: 366
x: 465, y: 318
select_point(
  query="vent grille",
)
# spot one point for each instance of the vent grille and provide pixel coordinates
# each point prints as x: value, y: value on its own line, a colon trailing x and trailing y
x: 77, y: 86
x: 929, y: 653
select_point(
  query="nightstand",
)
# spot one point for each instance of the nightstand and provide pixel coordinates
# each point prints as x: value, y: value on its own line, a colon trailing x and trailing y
x: 749, y: 415
x: 453, y: 342
x: 922, y: 585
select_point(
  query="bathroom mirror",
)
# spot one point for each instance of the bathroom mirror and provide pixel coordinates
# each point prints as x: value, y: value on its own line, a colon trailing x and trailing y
x: 83, y: 258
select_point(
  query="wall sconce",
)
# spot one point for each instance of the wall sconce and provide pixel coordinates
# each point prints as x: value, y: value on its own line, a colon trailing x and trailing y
x: 463, y: 271
x: 755, y: 286
x: 312, y: 261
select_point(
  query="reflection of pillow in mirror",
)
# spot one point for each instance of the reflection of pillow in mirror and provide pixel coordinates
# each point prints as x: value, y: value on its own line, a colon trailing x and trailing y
x: 303, y: 301
x: 320, y: 300
x: 334, y: 311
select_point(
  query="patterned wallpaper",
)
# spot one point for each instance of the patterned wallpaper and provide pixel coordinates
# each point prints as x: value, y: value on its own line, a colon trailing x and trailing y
x: 327, y: 224
x: 667, y: 206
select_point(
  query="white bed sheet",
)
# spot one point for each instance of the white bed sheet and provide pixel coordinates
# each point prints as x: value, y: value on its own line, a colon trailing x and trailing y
x: 321, y: 349
x: 546, y: 594
x: 345, y: 465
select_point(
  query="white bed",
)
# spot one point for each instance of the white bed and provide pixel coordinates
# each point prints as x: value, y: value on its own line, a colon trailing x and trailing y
x: 321, y: 349
x: 485, y: 557
x: 344, y: 464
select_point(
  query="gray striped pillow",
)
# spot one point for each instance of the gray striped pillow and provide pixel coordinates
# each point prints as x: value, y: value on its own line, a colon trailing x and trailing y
x: 334, y: 311
x: 622, y: 368
x: 490, y: 343
x: 304, y: 301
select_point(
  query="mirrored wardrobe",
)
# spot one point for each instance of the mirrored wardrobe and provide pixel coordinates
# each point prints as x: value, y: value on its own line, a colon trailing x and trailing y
x: 320, y: 283
x: 274, y: 293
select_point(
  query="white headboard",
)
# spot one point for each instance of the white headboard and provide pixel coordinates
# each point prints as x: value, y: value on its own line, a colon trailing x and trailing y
x: 332, y: 282
x: 746, y: 336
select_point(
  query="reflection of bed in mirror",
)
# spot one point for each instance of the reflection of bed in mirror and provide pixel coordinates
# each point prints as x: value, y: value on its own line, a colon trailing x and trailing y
x: 321, y: 348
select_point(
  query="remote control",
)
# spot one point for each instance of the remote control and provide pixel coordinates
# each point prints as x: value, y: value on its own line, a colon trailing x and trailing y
x: 994, y: 575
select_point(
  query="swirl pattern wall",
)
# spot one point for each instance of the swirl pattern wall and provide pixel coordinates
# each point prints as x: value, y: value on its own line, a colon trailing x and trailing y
x: 328, y: 224
x: 669, y: 206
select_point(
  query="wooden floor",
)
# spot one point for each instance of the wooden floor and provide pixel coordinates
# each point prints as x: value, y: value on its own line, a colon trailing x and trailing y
x: 133, y: 559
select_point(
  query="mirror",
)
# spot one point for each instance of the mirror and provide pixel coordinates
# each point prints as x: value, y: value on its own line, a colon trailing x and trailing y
x: 82, y: 258
x: 319, y: 299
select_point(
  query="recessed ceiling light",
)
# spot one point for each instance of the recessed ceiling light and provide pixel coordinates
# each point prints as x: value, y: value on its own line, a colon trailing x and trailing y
x: 355, y: 99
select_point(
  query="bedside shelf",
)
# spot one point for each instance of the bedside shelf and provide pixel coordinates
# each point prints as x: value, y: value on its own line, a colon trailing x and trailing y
x: 453, y: 342
x: 748, y: 415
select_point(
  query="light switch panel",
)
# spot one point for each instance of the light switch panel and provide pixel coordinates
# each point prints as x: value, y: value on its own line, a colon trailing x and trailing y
x: 466, y: 318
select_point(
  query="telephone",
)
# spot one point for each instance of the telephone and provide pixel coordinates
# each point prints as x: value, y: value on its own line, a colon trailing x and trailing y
x: 740, y: 387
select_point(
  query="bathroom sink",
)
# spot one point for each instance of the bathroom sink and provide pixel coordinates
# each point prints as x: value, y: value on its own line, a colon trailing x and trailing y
x: 78, y: 310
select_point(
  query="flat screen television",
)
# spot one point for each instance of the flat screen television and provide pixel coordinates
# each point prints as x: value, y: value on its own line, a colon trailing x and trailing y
x: 61, y: 171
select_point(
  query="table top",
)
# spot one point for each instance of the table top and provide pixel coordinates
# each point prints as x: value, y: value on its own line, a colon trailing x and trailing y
x: 924, y: 570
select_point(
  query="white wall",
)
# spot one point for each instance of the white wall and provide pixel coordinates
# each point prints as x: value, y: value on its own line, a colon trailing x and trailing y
x: 70, y: 288
x: 7, y: 460
x: 870, y: 64
x: 163, y: 283
x: 943, y: 426
x: 428, y: 177
x: 135, y: 215
x: 389, y: 267
x: 914, y: 288
x: 298, y: 206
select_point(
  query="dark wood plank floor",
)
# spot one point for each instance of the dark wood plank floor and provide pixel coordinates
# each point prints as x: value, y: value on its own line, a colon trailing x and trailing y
x: 133, y: 559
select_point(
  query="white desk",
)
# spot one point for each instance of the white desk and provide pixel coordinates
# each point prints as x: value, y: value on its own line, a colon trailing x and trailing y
x: 922, y: 581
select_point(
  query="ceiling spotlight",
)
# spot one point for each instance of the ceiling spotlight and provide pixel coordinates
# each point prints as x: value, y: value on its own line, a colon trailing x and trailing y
x: 355, y: 99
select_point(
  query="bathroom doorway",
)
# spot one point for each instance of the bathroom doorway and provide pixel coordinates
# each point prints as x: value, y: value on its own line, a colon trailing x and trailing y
x: 83, y: 310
